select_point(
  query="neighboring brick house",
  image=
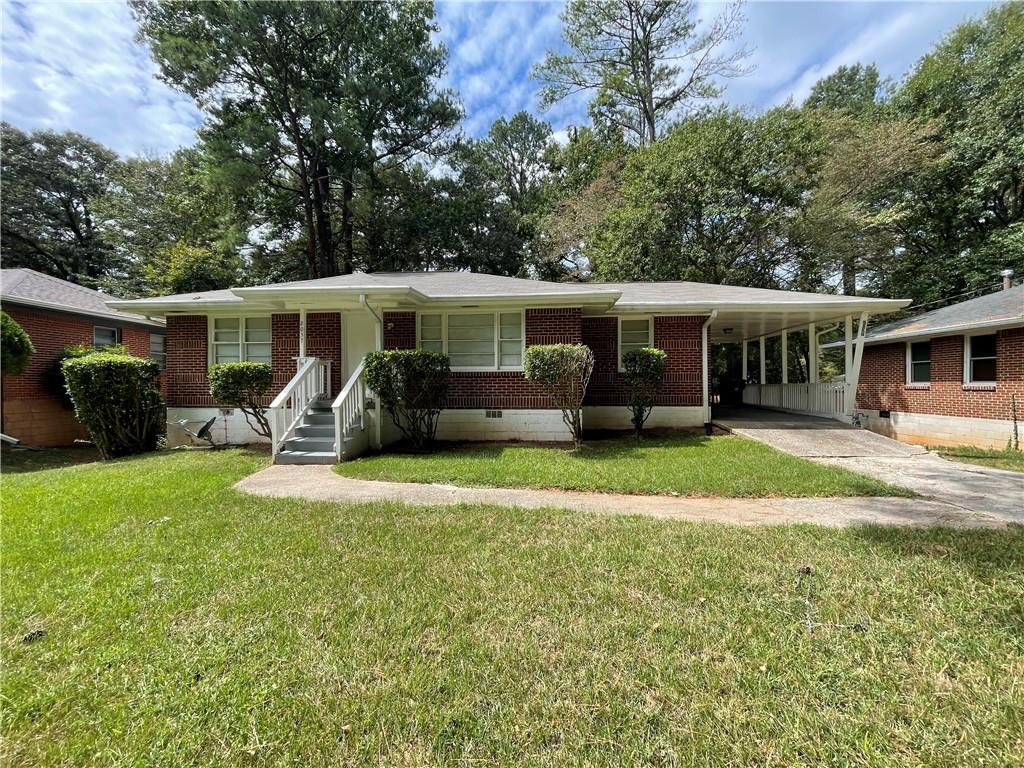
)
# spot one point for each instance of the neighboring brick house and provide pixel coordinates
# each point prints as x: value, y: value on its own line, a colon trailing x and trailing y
x: 950, y: 376
x: 484, y: 323
x: 57, y: 314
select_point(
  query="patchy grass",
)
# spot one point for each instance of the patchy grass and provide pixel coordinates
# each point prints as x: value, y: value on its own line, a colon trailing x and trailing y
x: 999, y: 459
x: 679, y: 464
x: 186, y: 624
x: 25, y: 460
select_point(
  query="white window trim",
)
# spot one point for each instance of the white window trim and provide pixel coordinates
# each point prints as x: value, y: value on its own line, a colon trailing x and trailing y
x: 160, y: 357
x: 211, y: 349
x: 618, y: 343
x: 967, y: 357
x: 909, y: 376
x: 115, y: 329
x: 497, y: 335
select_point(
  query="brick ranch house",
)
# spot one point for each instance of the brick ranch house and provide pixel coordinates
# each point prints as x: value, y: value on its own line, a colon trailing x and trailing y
x: 947, y: 377
x: 58, y: 314
x: 316, y: 333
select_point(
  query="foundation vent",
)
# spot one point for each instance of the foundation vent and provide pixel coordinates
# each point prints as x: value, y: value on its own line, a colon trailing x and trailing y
x: 492, y: 414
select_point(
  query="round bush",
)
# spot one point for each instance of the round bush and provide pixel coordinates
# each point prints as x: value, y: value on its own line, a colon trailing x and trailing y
x: 117, y: 398
x: 412, y: 385
x: 243, y: 386
x: 643, y: 371
x: 564, y: 371
x: 15, y: 346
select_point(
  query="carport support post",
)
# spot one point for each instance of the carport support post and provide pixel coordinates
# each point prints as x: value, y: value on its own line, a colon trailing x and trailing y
x: 812, y: 355
x: 848, y: 347
x: 760, y: 341
x: 744, y: 347
x: 302, y: 336
x: 858, y: 355
x: 785, y: 358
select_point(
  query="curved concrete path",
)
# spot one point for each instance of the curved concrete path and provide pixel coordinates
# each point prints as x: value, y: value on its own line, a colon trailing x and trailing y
x: 321, y: 483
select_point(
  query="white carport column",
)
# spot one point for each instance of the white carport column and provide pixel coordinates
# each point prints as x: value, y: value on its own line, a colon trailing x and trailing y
x: 785, y: 357
x: 302, y: 335
x: 848, y: 347
x: 812, y: 355
x: 760, y: 341
x: 744, y: 347
x: 852, y: 381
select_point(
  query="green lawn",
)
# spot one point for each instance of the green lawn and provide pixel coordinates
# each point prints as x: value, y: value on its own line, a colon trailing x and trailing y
x: 186, y: 624
x: 680, y: 464
x: 999, y: 459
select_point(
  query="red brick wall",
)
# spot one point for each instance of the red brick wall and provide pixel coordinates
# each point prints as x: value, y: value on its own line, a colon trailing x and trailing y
x: 188, y: 356
x: 883, y: 375
x: 678, y: 336
x: 33, y: 411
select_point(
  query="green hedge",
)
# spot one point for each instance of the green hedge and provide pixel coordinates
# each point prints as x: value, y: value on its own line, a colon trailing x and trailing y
x: 243, y: 386
x: 117, y: 399
x: 564, y: 372
x: 644, y: 370
x: 412, y: 385
x: 15, y: 346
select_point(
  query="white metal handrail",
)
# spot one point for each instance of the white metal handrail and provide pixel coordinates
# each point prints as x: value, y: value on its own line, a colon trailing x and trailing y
x: 349, y: 408
x: 311, y: 381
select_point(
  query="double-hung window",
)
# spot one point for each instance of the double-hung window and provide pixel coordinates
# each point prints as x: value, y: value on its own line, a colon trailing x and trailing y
x: 474, y: 340
x: 158, y: 349
x: 105, y: 337
x: 237, y: 339
x: 634, y: 333
x: 980, y: 359
x: 919, y: 362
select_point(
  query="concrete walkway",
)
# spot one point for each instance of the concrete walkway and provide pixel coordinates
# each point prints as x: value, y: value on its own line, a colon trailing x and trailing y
x: 969, y: 487
x: 320, y: 483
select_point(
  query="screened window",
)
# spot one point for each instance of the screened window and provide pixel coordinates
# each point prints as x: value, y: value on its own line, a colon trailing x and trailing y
x: 157, y: 349
x: 634, y: 334
x: 105, y: 337
x: 492, y: 340
x: 241, y: 338
x: 981, y: 358
x: 920, y: 362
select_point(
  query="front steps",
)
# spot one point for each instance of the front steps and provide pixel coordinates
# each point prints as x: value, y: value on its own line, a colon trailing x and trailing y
x: 314, y: 438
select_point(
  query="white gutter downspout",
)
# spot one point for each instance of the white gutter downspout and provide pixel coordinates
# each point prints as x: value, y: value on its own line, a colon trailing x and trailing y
x: 704, y: 348
x: 378, y: 344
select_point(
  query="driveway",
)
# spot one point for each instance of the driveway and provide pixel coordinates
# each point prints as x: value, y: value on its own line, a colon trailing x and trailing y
x: 965, y: 486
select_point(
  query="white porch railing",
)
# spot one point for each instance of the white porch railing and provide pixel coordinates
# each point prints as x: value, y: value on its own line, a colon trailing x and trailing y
x: 821, y: 399
x: 310, y: 382
x: 349, y: 409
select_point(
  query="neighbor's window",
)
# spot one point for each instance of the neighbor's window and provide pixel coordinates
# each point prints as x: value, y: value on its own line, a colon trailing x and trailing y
x: 634, y: 334
x: 105, y: 337
x: 157, y: 349
x: 920, y: 366
x: 491, y: 340
x: 981, y: 358
x: 241, y: 338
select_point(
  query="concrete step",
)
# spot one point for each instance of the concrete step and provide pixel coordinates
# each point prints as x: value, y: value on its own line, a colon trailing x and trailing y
x: 309, y: 444
x: 305, y: 457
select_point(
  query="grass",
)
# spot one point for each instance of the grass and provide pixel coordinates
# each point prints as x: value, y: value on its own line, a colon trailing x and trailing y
x: 188, y: 625
x: 678, y: 464
x: 998, y: 459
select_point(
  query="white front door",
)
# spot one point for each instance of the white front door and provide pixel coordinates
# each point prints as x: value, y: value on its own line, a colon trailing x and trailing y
x: 359, y: 331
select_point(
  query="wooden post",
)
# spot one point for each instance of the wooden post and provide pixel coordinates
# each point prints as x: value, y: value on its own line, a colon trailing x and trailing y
x: 853, y: 379
x: 785, y: 358
x: 848, y: 347
x: 812, y: 355
x: 744, y: 347
x: 761, y: 361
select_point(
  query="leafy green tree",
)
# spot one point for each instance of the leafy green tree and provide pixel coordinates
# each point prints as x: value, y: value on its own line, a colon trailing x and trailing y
x: 644, y: 60
x: 713, y: 201
x: 16, y: 348
x: 306, y: 100
x: 182, y: 268
x: 244, y: 386
x: 855, y: 89
x: 47, y: 222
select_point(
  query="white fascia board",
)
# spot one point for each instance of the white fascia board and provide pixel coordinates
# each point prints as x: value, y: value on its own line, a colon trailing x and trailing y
x: 159, y: 309
x: 528, y: 300
x: 704, y: 307
x: 949, y: 330
x: 376, y: 293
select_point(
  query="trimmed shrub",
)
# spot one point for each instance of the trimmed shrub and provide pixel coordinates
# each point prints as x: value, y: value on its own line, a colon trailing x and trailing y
x: 243, y: 386
x: 117, y: 399
x: 644, y: 371
x: 564, y: 372
x: 15, y: 346
x: 55, y: 383
x: 412, y: 385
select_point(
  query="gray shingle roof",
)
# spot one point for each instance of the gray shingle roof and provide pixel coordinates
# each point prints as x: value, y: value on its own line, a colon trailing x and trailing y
x: 30, y: 288
x: 1004, y: 307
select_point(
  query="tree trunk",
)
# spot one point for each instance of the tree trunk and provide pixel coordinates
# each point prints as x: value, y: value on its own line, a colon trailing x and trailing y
x: 348, y: 250
x: 327, y: 264
x: 849, y: 277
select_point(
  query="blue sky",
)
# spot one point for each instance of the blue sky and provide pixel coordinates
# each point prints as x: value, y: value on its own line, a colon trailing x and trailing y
x: 76, y: 65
